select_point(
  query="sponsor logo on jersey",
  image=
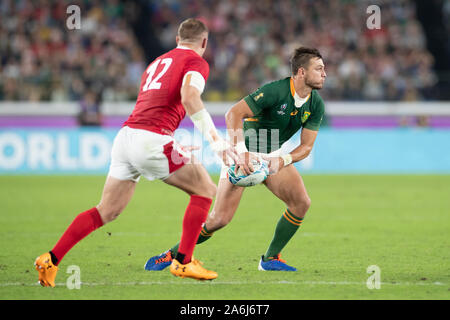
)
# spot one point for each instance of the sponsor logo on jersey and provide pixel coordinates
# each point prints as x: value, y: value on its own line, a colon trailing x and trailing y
x: 294, y: 113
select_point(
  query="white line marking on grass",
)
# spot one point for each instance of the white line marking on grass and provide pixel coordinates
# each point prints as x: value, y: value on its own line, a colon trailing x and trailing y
x: 193, y: 282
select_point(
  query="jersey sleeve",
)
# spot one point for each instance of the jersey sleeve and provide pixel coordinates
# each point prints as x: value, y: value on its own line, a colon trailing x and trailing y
x: 264, y: 97
x: 199, y: 65
x: 315, y: 120
x: 196, y: 72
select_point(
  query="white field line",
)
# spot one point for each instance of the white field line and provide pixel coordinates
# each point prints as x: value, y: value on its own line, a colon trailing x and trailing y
x: 151, y: 283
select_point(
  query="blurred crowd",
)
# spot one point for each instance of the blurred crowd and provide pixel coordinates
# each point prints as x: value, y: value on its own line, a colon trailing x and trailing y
x: 250, y: 44
x: 446, y: 12
x: 41, y: 59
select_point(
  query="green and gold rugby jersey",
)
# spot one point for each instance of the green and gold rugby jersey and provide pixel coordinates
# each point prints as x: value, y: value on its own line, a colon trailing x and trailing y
x: 278, y: 114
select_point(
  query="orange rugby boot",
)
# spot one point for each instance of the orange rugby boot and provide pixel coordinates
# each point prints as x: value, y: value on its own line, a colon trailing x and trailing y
x: 46, y: 269
x: 192, y: 270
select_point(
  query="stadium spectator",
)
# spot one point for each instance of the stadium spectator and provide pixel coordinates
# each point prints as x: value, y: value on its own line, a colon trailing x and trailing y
x: 42, y: 60
x: 90, y: 114
x: 249, y: 46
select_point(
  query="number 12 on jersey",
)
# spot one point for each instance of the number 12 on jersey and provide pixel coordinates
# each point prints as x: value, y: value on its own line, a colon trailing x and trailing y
x: 152, y: 83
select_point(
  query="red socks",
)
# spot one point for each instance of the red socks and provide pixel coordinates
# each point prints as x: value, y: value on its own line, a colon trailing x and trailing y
x: 90, y: 220
x: 81, y: 226
x: 196, y: 213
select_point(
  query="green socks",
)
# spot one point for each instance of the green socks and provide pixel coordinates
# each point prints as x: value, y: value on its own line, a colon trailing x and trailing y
x: 204, y: 235
x: 286, y: 228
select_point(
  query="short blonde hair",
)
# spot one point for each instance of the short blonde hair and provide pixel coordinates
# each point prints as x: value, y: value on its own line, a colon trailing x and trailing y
x: 190, y: 30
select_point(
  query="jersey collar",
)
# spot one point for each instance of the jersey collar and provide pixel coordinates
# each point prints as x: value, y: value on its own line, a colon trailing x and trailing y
x: 183, y: 47
x: 297, y: 100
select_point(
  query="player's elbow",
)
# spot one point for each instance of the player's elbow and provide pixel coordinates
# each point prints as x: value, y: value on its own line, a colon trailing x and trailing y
x: 190, y: 99
x: 307, y: 149
x: 228, y: 115
x: 238, y: 112
x: 233, y: 113
x: 187, y: 102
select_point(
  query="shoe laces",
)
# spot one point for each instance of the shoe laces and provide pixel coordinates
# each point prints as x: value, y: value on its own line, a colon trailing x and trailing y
x: 278, y: 258
x: 197, y: 262
x: 167, y: 257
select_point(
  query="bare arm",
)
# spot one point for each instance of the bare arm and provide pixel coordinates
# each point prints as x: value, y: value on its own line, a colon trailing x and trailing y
x: 192, y: 102
x: 307, y: 138
x: 190, y: 99
x: 234, y: 118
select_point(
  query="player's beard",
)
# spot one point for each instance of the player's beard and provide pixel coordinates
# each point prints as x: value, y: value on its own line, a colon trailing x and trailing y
x: 313, y: 85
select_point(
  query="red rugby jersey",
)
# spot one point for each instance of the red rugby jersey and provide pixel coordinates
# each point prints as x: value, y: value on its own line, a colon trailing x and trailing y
x: 158, y: 107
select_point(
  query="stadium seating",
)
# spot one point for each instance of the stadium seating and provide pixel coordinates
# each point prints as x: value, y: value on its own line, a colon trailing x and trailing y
x: 251, y: 44
x: 41, y: 60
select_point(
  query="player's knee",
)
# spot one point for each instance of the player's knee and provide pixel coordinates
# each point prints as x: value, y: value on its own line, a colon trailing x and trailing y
x: 300, y: 205
x: 208, y: 190
x: 306, y: 201
x: 212, y: 190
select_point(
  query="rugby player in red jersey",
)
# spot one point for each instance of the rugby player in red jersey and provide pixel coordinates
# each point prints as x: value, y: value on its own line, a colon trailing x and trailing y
x: 170, y: 87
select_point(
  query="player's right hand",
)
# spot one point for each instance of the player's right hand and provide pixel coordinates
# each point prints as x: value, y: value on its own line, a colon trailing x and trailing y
x: 275, y: 163
x: 245, y: 162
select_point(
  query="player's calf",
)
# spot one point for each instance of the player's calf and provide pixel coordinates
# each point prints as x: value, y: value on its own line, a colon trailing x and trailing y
x: 218, y: 219
x: 286, y: 227
x: 194, y: 180
x: 108, y: 214
x: 115, y: 197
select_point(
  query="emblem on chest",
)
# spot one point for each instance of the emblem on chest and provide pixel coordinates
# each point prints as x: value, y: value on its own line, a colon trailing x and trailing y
x: 282, y: 109
x: 305, y: 116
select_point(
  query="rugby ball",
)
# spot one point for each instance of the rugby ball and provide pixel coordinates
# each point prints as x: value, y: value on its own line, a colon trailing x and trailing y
x: 260, y: 173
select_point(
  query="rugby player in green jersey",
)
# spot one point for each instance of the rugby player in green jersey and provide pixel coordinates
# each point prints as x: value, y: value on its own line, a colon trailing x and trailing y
x: 259, y: 124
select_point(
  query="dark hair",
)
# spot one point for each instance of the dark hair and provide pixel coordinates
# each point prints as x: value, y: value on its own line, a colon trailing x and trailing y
x: 301, y: 58
x: 191, y: 29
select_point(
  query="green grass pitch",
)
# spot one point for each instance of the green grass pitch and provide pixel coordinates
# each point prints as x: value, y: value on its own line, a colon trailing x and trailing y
x: 399, y: 223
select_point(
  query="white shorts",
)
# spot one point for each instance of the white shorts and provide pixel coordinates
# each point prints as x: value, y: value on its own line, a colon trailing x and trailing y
x: 137, y: 152
x: 224, y: 168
